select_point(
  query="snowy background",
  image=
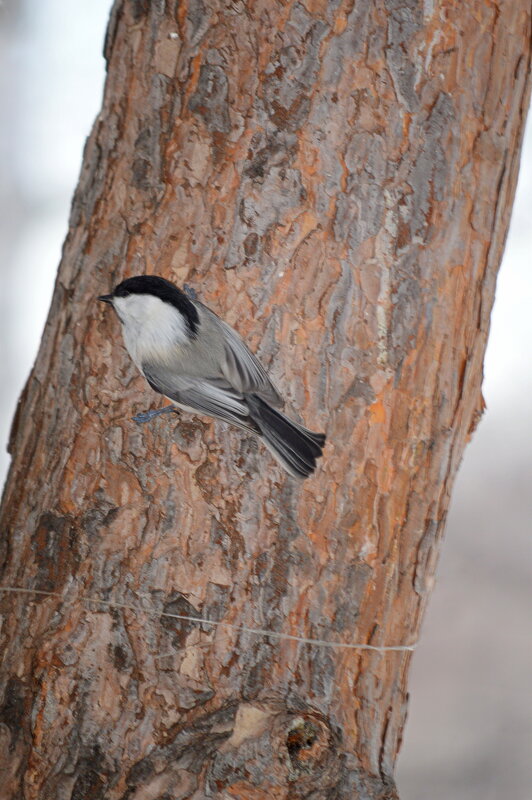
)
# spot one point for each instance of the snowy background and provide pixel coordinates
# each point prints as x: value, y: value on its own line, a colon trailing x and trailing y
x: 469, y: 733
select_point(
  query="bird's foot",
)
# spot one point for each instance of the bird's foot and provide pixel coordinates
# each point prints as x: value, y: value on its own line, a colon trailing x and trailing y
x: 146, y: 416
x: 190, y: 291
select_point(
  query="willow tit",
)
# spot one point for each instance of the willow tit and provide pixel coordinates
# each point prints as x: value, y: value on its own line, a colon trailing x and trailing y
x: 201, y: 364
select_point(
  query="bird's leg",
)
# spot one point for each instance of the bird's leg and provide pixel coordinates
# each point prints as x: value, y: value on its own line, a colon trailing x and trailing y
x: 147, y: 415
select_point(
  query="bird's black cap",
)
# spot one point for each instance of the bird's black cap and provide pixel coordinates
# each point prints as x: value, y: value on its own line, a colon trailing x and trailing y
x: 161, y: 288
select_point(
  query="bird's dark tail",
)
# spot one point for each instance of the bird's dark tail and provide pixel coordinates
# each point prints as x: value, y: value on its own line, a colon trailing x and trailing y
x: 295, y: 447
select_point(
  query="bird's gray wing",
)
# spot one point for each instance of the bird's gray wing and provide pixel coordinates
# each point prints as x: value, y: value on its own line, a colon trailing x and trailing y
x: 241, y: 368
x: 212, y: 397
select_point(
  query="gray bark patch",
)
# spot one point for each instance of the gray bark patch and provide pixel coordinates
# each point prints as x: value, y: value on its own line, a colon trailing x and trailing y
x: 179, y: 627
x: 429, y: 173
x: 209, y: 101
x: 404, y: 21
x: 293, y: 70
x: 406, y: 313
x: 198, y: 20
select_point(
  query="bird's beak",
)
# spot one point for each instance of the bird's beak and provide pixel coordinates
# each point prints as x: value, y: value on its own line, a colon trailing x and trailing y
x: 106, y: 298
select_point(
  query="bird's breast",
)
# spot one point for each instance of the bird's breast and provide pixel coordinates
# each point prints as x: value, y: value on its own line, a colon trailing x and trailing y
x: 162, y: 340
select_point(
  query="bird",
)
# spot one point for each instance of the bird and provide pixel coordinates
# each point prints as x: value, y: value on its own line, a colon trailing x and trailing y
x: 202, y: 365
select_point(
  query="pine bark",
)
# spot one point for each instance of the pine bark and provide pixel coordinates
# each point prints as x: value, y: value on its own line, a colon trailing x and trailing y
x: 335, y: 179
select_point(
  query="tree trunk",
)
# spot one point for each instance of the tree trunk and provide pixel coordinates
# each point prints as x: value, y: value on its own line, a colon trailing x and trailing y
x: 335, y: 180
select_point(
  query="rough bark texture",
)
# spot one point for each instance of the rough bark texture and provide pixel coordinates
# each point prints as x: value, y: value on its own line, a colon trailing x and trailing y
x: 335, y: 179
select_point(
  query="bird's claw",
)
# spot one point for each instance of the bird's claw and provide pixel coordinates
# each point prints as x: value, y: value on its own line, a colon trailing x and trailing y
x: 190, y: 291
x: 146, y: 416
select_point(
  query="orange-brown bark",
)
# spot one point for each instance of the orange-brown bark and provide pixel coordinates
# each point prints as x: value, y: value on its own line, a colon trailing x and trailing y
x: 335, y: 180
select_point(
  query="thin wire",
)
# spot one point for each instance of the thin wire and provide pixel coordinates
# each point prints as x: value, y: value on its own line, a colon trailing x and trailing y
x: 220, y: 623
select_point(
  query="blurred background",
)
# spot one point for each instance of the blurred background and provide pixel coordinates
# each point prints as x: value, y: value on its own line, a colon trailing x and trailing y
x: 469, y: 732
